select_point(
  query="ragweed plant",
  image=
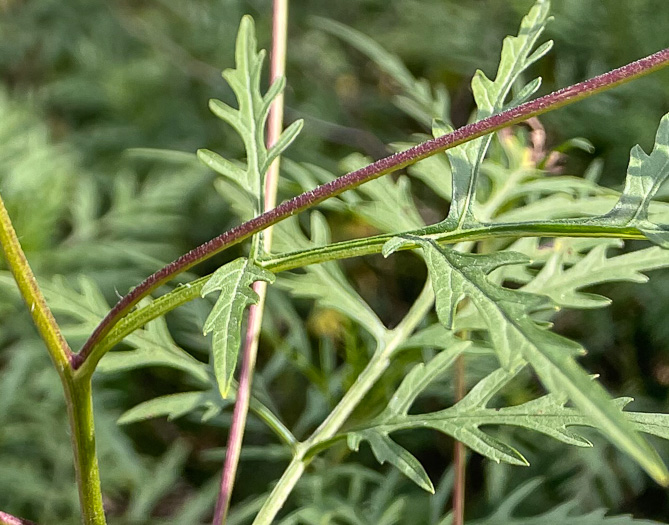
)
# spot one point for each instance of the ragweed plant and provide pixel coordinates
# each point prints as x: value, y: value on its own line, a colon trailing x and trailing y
x: 516, y: 244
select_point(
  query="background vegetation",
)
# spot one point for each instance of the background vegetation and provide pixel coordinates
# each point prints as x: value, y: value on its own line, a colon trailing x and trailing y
x: 85, y: 80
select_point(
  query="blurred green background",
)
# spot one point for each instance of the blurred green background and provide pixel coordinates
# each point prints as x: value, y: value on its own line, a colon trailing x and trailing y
x: 83, y: 81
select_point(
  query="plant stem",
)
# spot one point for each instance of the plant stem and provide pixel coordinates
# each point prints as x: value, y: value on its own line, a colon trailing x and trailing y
x: 78, y: 395
x: 42, y: 317
x: 459, y: 451
x: 8, y: 519
x: 381, y: 167
x: 374, y: 245
x: 250, y: 350
x: 375, y: 368
x: 346, y: 249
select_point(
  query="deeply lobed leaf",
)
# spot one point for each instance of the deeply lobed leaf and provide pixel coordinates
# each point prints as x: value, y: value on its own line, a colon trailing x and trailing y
x: 234, y: 281
x: 518, y: 338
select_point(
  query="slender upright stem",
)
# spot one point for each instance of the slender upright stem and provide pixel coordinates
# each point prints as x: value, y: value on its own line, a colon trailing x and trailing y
x: 46, y: 325
x: 79, y: 397
x: 381, y: 167
x: 459, y: 451
x: 250, y: 350
x: 77, y: 390
x: 330, y: 426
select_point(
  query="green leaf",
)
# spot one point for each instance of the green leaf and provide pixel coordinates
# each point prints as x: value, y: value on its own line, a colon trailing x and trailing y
x: 223, y: 166
x: 420, y: 100
x: 562, y: 285
x: 518, y: 338
x: 285, y: 139
x: 490, y: 97
x: 249, y: 120
x: 234, y: 281
x: 175, y: 406
x: 385, y: 449
x: 645, y: 175
x: 547, y: 414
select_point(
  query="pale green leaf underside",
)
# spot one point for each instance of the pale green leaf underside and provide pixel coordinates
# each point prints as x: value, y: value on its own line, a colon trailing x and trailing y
x: 175, y: 406
x: 563, y: 285
x: 645, y: 175
x: 385, y: 449
x: 234, y: 281
x: 547, y: 414
x: 490, y: 97
x: 518, y: 338
x: 250, y: 118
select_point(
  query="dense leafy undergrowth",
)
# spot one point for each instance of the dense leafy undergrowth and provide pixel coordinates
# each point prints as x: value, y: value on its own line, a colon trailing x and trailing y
x: 356, y: 368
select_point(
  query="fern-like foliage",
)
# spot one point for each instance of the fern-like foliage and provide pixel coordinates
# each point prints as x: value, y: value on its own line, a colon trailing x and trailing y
x: 513, y: 315
x: 519, y: 338
x: 564, y: 514
x: 457, y: 276
x: 548, y: 415
x: 250, y: 118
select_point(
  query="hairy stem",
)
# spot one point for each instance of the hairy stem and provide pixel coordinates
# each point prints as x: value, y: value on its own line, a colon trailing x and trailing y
x: 346, y: 249
x: 78, y: 396
x: 381, y: 167
x: 42, y: 317
x: 250, y: 349
x: 368, y: 377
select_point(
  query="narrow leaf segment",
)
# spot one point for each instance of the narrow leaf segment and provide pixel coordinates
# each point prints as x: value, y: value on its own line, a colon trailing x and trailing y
x: 645, y: 175
x: 234, y: 281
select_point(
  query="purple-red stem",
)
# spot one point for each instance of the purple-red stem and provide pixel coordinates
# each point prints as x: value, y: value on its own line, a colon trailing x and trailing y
x: 351, y: 180
x: 8, y: 519
x: 250, y: 349
x: 459, y: 452
x: 236, y: 436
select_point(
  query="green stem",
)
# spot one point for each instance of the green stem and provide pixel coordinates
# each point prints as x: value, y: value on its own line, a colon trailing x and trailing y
x: 373, y: 245
x: 42, y: 317
x: 352, y: 180
x: 368, y: 377
x: 78, y: 395
x: 347, y: 249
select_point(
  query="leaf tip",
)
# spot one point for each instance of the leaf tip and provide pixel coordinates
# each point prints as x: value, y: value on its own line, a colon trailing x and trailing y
x: 393, y: 245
